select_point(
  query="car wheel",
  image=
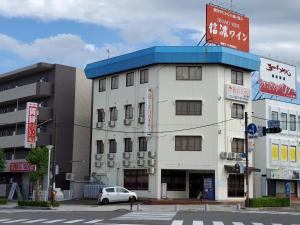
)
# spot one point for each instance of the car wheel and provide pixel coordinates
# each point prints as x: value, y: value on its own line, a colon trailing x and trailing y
x: 132, y: 199
x: 105, y: 201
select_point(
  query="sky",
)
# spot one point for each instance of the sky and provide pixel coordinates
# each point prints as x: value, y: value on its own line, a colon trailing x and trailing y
x: 77, y: 32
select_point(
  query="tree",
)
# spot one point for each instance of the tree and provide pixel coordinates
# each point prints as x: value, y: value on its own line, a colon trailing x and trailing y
x: 39, y: 157
x: 2, y: 160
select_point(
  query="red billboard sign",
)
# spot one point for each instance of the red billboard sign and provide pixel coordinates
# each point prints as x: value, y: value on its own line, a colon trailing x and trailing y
x: 227, y: 28
x: 31, y: 125
x: 21, y: 167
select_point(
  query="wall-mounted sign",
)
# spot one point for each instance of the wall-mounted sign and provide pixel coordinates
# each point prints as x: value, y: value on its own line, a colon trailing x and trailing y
x: 31, y: 125
x: 21, y: 167
x: 227, y: 28
x: 283, y: 174
x: 148, y: 111
x: 277, y: 78
x: 236, y: 92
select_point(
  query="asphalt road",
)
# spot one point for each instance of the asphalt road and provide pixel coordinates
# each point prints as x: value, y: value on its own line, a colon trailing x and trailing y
x: 14, y: 216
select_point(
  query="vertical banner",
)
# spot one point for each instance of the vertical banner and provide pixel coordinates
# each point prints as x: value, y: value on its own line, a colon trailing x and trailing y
x: 31, y: 125
x: 148, y: 111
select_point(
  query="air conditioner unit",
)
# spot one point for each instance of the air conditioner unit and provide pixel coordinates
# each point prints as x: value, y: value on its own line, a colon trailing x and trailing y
x: 69, y: 176
x: 98, y: 164
x: 126, y: 163
x: 127, y: 122
x: 141, y: 154
x: 151, y: 162
x: 99, y: 125
x: 141, y: 162
x: 126, y: 155
x: 223, y: 155
x: 231, y: 155
x: 141, y: 120
x: 151, y: 154
x: 98, y: 156
x: 110, y: 155
x: 151, y: 170
x: 110, y: 163
x: 112, y: 123
x: 238, y: 156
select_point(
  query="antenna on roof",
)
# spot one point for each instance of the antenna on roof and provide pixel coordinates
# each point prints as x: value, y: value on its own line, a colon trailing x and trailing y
x: 108, y: 52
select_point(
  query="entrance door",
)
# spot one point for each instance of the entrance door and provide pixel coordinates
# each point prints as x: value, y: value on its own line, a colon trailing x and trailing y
x: 196, y: 185
x: 271, y: 187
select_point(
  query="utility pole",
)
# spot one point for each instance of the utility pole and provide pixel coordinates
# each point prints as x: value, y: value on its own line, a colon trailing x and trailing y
x: 247, y: 160
x: 53, y: 162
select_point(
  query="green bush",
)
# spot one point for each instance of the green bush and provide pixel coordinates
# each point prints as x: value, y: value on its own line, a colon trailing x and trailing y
x: 56, y: 204
x: 269, y: 202
x: 3, y: 201
x: 35, y: 203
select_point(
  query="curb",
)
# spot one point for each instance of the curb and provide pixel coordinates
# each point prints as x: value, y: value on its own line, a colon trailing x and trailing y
x: 33, y: 207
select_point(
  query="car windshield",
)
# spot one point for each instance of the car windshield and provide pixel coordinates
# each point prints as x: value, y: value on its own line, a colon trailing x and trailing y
x: 121, y: 190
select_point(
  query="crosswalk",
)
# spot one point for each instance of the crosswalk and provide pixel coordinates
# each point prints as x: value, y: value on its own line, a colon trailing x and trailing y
x: 200, y: 222
x: 49, y: 221
x: 164, y: 216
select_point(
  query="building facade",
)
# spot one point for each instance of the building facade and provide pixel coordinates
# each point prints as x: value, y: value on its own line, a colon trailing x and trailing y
x: 63, y: 95
x: 168, y: 121
x: 278, y: 155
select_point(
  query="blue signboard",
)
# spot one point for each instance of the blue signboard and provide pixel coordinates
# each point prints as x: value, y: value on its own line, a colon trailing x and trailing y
x: 273, y: 123
x: 252, y: 129
x: 209, y: 188
x: 288, y: 189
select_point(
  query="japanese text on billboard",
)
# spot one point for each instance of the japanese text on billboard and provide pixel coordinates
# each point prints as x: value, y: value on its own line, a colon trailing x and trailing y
x: 31, y: 125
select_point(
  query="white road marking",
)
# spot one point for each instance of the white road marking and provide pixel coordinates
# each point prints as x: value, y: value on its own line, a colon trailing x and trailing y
x: 93, y: 221
x: 146, y: 216
x: 238, y: 223
x: 35, y: 221
x: 2, y: 220
x: 54, y: 221
x: 16, y: 221
x: 218, y: 223
x: 197, y: 222
x: 177, y: 222
x: 74, y: 221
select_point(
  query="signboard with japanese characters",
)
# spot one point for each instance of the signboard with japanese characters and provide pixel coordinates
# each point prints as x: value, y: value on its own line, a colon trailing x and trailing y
x: 21, y: 167
x: 236, y: 92
x: 148, y: 111
x: 277, y: 78
x: 31, y: 125
x: 227, y: 28
x: 283, y: 174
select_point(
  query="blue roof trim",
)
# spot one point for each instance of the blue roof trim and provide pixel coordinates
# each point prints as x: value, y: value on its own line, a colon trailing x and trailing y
x: 173, y: 54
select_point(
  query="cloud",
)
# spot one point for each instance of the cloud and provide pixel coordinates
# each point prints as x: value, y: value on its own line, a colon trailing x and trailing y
x: 63, y: 48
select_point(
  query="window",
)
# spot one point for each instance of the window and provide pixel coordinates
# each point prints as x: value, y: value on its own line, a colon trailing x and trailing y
x: 102, y: 85
x: 110, y: 190
x: 127, y: 145
x: 274, y: 115
x: 184, y: 107
x: 293, y: 153
x: 188, y: 73
x: 283, y: 121
x: 284, y: 153
x: 128, y: 112
x: 237, y: 145
x: 188, y: 143
x: 136, y: 179
x: 275, y: 152
x: 235, y: 185
x: 100, y: 147
x: 299, y: 123
x: 237, y: 77
x: 113, y: 114
x: 142, y: 144
x: 121, y: 190
x: 237, y: 111
x: 114, y: 82
x: 175, y: 179
x: 129, y: 79
x: 292, y: 122
x: 142, y: 109
x: 144, y: 74
x: 101, y: 115
x: 112, y: 146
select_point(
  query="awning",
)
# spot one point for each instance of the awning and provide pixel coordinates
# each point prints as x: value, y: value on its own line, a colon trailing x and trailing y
x: 231, y: 169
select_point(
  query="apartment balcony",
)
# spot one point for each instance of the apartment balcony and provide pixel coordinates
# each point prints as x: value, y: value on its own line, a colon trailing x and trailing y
x: 35, y: 90
x: 18, y: 140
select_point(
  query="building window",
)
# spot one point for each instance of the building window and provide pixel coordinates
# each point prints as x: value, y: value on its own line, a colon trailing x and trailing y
x: 114, y: 82
x: 142, y: 109
x: 113, y: 114
x: 128, y: 112
x: 237, y: 111
x: 136, y: 179
x: 129, y: 79
x: 142, y: 144
x: 101, y: 115
x: 275, y: 152
x: 283, y: 121
x: 100, y: 147
x: 274, y: 115
x: 293, y: 153
x: 188, y: 143
x: 175, y: 179
x: 127, y: 145
x: 186, y: 107
x: 299, y: 123
x: 102, y: 85
x: 112, y: 146
x: 144, y: 75
x: 237, y: 145
x: 284, y: 153
x: 237, y: 77
x: 292, y: 122
x: 188, y: 73
x: 235, y: 185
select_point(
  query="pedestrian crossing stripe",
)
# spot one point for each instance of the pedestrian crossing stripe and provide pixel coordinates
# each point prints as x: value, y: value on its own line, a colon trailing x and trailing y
x: 200, y: 222
x: 146, y: 216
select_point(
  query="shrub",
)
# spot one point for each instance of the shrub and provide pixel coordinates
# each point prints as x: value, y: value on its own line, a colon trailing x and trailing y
x: 35, y: 203
x: 3, y: 201
x: 269, y: 202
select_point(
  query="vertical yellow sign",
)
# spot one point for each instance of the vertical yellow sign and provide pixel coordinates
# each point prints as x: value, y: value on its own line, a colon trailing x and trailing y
x: 284, y: 153
x: 275, y: 149
x: 299, y: 154
x: 293, y: 153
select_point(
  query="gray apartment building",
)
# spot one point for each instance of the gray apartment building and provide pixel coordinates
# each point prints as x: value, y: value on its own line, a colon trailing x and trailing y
x: 64, y: 95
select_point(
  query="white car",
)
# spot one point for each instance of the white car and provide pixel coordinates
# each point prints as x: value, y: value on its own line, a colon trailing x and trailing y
x: 115, y: 194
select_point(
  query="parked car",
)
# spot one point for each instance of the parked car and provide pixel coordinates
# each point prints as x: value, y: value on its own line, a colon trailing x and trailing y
x: 115, y: 194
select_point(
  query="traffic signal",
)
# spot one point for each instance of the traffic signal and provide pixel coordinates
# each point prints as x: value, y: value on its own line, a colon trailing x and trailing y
x: 271, y: 130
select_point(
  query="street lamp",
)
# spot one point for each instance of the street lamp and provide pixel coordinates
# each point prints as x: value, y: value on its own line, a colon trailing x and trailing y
x: 49, y: 147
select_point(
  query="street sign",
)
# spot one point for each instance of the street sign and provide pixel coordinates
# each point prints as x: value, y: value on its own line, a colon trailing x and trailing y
x: 273, y: 123
x: 260, y: 131
x: 252, y: 128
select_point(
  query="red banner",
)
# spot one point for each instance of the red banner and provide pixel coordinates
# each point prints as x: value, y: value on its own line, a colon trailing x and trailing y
x: 227, y: 28
x: 21, y: 167
x: 31, y: 125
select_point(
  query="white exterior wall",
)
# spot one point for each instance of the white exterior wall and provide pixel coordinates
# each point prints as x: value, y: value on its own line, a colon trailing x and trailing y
x: 166, y: 90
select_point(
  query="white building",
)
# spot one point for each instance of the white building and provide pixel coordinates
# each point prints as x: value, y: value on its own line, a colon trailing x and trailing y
x: 168, y: 120
x: 277, y: 155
